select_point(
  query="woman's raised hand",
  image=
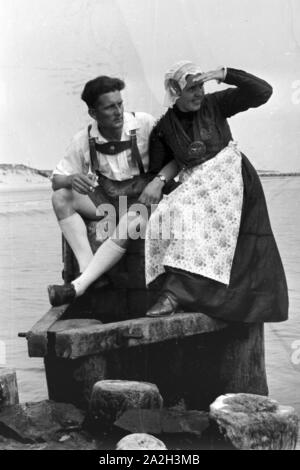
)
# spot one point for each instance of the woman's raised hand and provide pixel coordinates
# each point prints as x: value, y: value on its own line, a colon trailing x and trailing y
x: 218, y: 75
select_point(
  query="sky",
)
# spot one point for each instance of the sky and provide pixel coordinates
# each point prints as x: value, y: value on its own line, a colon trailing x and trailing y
x: 49, y: 49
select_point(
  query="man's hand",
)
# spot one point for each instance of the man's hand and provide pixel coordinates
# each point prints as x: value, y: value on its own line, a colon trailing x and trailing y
x: 152, y: 193
x: 81, y: 183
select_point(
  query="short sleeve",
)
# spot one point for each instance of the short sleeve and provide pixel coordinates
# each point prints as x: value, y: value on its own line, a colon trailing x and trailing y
x: 73, y: 161
x: 146, y: 122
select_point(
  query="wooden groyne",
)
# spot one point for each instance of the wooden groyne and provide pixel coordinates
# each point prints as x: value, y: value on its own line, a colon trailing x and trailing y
x: 105, y: 335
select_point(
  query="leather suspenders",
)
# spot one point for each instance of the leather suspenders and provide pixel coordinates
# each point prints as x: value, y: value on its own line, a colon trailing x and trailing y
x: 93, y: 152
x: 113, y: 148
x: 135, y: 153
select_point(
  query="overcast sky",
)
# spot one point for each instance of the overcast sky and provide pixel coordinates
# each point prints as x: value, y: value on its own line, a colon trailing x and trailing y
x: 49, y: 49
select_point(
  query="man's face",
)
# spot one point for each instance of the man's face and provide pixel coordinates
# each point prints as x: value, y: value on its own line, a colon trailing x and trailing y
x: 109, y: 110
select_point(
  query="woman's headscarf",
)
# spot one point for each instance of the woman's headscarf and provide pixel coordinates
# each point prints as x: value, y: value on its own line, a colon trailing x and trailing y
x: 178, y: 73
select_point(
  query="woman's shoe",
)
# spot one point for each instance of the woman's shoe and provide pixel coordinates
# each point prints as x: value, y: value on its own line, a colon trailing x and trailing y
x: 60, y: 295
x: 164, y: 306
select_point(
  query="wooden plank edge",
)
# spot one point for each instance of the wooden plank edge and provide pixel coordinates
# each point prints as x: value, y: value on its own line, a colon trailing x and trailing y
x: 85, y: 341
x: 37, y: 337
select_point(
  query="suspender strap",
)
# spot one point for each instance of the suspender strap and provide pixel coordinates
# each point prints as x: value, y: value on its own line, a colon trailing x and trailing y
x: 93, y: 152
x: 113, y: 148
x: 135, y: 153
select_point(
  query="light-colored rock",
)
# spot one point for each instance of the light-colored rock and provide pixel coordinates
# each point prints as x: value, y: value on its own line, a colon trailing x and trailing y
x: 255, y: 422
x: 111, y: 398
x: 140, y: 442
x: 64, y: 438
x: 8, y: 387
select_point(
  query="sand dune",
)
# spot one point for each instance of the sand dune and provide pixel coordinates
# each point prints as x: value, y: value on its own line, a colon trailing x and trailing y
x: 22, y: 177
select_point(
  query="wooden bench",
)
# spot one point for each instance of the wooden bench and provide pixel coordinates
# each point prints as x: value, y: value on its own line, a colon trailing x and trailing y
x: 105, y: 335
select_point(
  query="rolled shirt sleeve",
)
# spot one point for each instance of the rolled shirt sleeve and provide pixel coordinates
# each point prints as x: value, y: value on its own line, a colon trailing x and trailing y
x: 74, y: 160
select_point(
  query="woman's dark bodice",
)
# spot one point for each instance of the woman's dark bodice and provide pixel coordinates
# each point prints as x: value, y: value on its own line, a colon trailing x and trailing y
x: 212, y: 122
x: 186, y: 119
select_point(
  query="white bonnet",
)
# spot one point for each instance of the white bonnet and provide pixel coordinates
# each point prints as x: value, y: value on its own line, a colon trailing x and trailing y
x: 178, y: 72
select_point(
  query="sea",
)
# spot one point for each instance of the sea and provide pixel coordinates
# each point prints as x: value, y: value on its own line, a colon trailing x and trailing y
x: 30, y: 259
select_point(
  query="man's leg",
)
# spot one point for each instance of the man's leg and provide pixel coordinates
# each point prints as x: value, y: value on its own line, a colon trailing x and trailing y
x: 107, y: 255
x: 68, y: 207
x: 110, y: 252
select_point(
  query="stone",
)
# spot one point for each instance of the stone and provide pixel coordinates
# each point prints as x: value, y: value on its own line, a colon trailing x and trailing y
x: 140, y: 441
x: 39, y: 422
x: 76, y: 441
x: 255, y: 422
x: 111, y: 398
x: 164, y: 421
x: 64, y: 438
x: 8, y: 387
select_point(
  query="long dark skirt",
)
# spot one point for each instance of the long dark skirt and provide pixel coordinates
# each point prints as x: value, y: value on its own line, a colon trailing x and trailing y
x: 257, y: 291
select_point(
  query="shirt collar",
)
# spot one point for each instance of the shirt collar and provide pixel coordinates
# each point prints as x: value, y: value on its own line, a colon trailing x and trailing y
x: 130, y: 123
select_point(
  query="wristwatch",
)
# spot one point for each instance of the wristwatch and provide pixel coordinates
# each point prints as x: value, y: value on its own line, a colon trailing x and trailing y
x: 162, y: 178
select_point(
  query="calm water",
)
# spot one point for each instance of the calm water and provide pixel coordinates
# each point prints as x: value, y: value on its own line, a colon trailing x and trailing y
x: 30, y: 257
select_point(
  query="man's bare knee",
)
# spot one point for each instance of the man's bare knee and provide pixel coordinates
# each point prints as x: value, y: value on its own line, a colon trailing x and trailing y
x: 62, y: 201
x: 85, y: 207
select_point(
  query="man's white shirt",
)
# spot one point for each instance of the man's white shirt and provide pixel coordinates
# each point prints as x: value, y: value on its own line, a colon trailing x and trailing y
x: 116, y: 167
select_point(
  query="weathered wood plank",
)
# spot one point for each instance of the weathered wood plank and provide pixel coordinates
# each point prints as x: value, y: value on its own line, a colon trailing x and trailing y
x: 37, y: 336
x: 94, y: 339
x: 73, y: 323
x: 8, y: 387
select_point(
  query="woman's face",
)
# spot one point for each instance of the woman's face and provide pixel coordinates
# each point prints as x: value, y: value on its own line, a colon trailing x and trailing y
x: 191, y: 96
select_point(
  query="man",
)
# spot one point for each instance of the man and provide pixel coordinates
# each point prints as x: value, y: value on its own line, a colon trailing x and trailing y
x: 121, y: 145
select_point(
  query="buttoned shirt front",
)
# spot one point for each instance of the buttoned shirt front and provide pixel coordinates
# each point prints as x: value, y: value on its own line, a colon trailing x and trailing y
x: 116, y: 167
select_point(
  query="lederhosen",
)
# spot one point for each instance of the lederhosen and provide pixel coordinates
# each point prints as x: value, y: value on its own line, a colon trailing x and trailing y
x: 110, y: 190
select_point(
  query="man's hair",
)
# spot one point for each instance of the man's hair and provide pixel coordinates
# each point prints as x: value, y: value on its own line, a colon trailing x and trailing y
x: 99, y: 86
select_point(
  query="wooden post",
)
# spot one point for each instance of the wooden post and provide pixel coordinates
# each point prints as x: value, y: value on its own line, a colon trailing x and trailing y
x: 242, y: 364
x: 8, y: 387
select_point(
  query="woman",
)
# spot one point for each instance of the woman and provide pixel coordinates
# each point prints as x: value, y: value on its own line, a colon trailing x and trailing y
x: 240, y: 276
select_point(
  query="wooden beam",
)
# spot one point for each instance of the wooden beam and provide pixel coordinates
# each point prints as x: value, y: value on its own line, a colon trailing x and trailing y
x: 73, y: 323
x: 37, y: 337
x: 90, y: 340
